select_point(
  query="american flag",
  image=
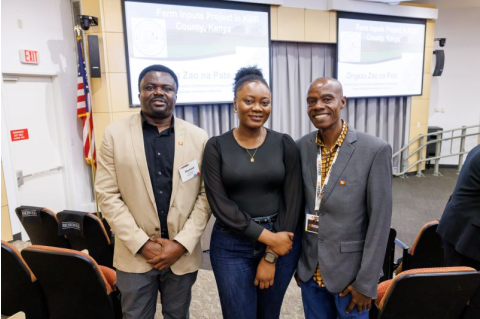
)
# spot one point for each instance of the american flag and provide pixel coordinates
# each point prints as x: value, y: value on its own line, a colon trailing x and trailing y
x: 84, y: 107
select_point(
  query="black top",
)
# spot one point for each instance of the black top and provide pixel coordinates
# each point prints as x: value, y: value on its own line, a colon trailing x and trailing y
x: 160, y: 151
x: 238, y: 189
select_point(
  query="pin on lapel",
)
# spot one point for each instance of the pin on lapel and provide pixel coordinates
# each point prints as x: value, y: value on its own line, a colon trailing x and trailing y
x: 342, y: 182
x: 180, y: 143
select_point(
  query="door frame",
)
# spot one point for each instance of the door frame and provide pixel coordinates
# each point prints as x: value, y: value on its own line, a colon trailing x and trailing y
x: 8, y: 169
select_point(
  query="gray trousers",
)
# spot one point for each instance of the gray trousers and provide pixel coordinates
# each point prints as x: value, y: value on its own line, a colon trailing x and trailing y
x: 139, y: 293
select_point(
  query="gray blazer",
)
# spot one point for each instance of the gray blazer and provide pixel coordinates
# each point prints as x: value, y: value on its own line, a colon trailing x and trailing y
x: 354, y: 215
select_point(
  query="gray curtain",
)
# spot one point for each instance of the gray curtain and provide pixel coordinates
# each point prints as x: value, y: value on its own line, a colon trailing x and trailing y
x: 295, y: 66
x: 382, y: 117
x: 215, y: 119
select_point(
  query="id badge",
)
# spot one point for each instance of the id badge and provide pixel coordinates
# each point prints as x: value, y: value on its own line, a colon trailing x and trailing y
x: 311, y: 224
x: 189, y: 171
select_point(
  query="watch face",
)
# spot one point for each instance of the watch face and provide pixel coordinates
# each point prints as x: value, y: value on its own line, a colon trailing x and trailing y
x: 271, y: 258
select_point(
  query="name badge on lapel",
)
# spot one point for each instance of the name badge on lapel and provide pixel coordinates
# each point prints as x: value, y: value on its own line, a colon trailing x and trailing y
x: 311, y: 224
x: 189, y: 171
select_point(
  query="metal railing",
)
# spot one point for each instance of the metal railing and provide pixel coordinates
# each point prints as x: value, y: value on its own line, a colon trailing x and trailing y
x: 422, y: 139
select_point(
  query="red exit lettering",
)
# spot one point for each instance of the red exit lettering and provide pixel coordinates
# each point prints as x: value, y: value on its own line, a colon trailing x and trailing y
x: 29, y: 56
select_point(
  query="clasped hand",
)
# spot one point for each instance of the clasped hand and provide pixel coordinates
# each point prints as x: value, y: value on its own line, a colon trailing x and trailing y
x: 280, y: 243
x: 161, y: 253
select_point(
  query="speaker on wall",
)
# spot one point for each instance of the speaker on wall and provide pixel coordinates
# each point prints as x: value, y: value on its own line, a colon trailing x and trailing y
x: 94, y: 56
x: 439, y: 62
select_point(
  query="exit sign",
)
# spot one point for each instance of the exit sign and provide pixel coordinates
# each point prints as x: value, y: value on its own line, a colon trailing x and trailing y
x: 29, y: 56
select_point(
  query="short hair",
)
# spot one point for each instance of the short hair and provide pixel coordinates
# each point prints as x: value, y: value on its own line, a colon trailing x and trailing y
x: 159, y: 68
x: 246, y: 75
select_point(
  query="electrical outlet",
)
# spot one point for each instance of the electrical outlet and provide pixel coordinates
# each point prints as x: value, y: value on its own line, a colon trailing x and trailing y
x: 443, y: 110
x: 437, y: 109
x: 19, y: 24
x: 418, y: 124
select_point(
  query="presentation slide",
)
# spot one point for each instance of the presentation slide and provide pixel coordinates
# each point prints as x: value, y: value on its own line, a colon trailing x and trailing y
x: 204, y: 47
x: 380, y: 58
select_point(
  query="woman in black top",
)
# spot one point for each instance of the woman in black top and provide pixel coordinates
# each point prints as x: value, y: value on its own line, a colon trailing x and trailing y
x: 253, y: 184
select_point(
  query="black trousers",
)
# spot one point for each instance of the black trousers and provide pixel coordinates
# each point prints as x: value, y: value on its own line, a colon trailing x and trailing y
x: 454, y: 258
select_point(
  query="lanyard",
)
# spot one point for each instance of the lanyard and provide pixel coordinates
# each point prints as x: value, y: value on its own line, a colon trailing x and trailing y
x: 321, y: 189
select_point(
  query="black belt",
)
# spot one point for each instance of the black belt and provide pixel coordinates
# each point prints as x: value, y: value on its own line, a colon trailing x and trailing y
x: 265, y: 220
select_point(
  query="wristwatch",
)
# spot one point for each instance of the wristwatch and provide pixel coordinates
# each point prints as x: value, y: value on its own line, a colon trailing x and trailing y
x: 270, y: 258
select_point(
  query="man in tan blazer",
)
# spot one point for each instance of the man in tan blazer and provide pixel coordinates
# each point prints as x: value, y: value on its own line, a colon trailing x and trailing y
x: 151, y: 192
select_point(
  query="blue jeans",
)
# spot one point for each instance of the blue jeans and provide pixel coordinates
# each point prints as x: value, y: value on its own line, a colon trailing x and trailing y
x: 319, y: 303
x: 234, y: 261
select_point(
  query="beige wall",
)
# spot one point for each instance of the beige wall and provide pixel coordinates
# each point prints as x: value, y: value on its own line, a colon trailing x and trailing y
x: 420, y: 104
x: 6, y: 225
x: 303, y: 25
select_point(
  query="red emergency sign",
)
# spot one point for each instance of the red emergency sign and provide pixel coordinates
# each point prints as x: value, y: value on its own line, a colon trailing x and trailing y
x: 29, y: 56
x: 18, y: 135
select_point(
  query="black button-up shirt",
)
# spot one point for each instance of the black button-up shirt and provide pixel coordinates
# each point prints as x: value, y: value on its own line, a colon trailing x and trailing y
x: 160, y: 151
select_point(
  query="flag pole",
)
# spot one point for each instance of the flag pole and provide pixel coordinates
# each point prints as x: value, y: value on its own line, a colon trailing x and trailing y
x: 93, y: 164
x: 90, y: 160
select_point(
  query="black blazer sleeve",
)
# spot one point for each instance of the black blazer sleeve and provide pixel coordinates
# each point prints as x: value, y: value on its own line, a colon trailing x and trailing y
x: 289, y: 213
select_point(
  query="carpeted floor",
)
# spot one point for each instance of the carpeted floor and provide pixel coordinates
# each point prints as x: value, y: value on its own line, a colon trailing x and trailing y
x: 419, y: 200
x: 415, y: 202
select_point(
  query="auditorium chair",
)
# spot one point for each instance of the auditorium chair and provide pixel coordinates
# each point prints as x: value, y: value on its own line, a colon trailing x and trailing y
x: 426, y: 251
x: 389, y: 260
x: 426, y: 293
x: 472, y: 311
x: 93, y: 237
x: 20, y: 288
x: 41, y: 225
x: 75, y: 285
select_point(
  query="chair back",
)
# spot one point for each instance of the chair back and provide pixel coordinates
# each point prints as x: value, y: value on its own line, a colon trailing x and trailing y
x: 20, y: 288
x: 41, y: 225
x: 427, y: 250
x: 389, y: 260
x: 94, y: 237
x: 473, y: 309
x: 74, y: 285
x: 427, y: 293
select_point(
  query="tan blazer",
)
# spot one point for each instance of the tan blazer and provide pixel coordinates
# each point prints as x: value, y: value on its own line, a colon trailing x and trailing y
x: 125, y: 194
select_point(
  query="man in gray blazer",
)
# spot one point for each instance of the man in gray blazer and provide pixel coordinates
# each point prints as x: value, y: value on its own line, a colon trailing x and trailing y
x: 347, y: 179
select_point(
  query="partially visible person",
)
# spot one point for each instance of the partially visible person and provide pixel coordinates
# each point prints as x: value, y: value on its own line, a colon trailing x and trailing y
x: 253, y: 184
x: 460, y: 223
x: 347, y: 178
x: 154, y: 200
